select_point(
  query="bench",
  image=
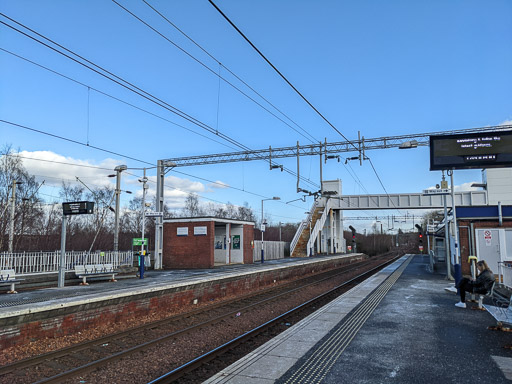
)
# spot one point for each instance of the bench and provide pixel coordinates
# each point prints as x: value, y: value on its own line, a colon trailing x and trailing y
x: 503, y: 315
x: 8, y: 277
x: 95, y: 270
x: 494, y: 294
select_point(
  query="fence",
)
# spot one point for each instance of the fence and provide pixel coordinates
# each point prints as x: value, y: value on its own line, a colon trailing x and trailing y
x: 273, y: 250
x: 39, y: 262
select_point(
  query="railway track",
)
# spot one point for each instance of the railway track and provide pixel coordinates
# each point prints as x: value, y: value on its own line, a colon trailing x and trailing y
x: 79, y: 360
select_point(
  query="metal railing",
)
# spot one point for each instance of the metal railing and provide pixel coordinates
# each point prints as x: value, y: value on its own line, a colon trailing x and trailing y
x: 303, y: 225
x: 46, y: 262
x: 505, y: 272
x: 319, y: 224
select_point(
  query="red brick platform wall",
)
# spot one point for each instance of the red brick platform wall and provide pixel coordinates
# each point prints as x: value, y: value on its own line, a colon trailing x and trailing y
x: 69, y: 320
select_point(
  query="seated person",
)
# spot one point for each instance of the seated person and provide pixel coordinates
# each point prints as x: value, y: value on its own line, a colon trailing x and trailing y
x: 482, y: 284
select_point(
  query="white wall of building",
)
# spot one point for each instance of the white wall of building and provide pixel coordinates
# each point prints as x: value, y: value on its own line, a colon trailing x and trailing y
x: 499, y: 185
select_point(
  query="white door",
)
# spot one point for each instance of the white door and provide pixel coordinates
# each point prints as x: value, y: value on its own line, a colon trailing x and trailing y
x: 488, y: 246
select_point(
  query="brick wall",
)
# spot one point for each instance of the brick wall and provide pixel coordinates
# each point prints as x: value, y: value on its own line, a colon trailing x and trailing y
x: 188, y: 251
x: 19, y: 330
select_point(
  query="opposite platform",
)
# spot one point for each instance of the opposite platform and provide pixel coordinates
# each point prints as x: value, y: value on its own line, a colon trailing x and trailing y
x: 399, y: 326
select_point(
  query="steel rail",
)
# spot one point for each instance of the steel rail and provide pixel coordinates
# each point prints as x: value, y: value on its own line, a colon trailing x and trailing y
x: 119, y: 355
x: 144, y: 327
x: 205, y: 358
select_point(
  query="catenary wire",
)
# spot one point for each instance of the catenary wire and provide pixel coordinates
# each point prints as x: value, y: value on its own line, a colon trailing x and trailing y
x: 129, y: 86
x: 313, y: 139
x: 115, y: 98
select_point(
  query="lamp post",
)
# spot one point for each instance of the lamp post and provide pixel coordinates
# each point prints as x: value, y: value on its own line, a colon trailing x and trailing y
x: 118, y: 169
x: 144, y: 181
x: 263, y: 226
x: 13, y: 206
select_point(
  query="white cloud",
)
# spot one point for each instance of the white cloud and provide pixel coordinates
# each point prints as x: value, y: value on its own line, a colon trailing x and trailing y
x: 506, y: 122
x: 175, y: 192
x: 55, y: 168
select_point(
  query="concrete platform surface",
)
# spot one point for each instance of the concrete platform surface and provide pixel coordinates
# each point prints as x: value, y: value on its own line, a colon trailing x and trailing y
x: 399, y: 326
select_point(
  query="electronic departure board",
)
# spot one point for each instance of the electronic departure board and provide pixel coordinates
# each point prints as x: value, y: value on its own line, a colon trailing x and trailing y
x: 78, y: 208
x: 474, y: 150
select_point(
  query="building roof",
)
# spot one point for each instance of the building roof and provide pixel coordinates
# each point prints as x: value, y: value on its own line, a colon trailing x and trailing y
x: 206, y: 219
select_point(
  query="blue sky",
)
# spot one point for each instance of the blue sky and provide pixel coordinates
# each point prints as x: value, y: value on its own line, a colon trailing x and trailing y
x: 382, y: 68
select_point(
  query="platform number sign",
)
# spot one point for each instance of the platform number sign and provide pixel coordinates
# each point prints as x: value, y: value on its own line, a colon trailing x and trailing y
x: 488, y: 237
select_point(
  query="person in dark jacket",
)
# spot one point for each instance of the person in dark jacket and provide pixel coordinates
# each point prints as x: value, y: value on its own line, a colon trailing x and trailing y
x: 482, y: 284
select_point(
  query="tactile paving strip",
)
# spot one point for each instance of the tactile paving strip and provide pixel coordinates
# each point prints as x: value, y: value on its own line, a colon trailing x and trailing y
x: 314, y: 369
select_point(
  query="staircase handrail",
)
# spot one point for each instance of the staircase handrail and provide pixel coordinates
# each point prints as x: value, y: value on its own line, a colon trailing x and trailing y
x: 301, y: 228
x: 319, y: 223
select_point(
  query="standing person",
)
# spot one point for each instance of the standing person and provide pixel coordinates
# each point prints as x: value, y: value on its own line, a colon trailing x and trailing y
x: 482, y: 284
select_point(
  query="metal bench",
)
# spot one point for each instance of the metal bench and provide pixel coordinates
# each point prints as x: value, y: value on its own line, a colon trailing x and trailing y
x: 503, y: 315
x: 8, y: 277
x: 95, y: 270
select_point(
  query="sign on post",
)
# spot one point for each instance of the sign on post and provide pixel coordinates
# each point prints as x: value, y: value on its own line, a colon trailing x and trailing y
x: 153, y: 214
x: 441, y: 191
x: 70, y: 208
x: 137, y: 241
x: 473, y: 150
x: 77, y: 208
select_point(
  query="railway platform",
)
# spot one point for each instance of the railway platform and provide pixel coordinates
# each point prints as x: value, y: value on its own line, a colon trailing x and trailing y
x: 52, y: 312
x: 399, y: 326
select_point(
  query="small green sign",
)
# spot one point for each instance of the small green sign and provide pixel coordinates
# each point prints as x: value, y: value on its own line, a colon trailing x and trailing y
x: 236, y: 242
x: 138, y: 241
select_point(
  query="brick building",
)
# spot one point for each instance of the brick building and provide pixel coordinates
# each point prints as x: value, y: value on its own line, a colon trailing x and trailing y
x: 204, y: 242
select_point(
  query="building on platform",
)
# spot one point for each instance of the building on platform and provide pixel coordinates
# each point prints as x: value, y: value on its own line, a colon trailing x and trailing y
x: 204, y: 242
x: 485, y: 231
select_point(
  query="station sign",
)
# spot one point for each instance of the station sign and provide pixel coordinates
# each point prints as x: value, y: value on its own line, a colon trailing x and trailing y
x: 77, y: 208
x: 153, y: 214
x: 441, y: 191
x: 473, y: 150
x: 137, y: 241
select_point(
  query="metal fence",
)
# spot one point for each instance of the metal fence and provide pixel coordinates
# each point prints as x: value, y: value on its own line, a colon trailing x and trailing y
x: 40, y: 262
x: 273, y: 250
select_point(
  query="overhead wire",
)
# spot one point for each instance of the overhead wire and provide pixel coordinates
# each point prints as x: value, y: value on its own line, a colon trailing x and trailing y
x: 277, y: 71
x: 311, y: 137
x: 114, y: 98
x: 290, y: 84
x: 131, y: 87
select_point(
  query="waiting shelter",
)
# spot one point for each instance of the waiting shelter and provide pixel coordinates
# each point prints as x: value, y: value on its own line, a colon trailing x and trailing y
x: 204, y: 242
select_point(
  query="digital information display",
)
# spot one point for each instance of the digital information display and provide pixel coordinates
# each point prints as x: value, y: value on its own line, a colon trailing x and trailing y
x: 474, y: 150
x: 78, y: 208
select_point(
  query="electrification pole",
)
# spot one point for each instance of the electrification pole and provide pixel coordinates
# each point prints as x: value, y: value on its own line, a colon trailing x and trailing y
x: 13, y: 207
x: 118, y: 169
